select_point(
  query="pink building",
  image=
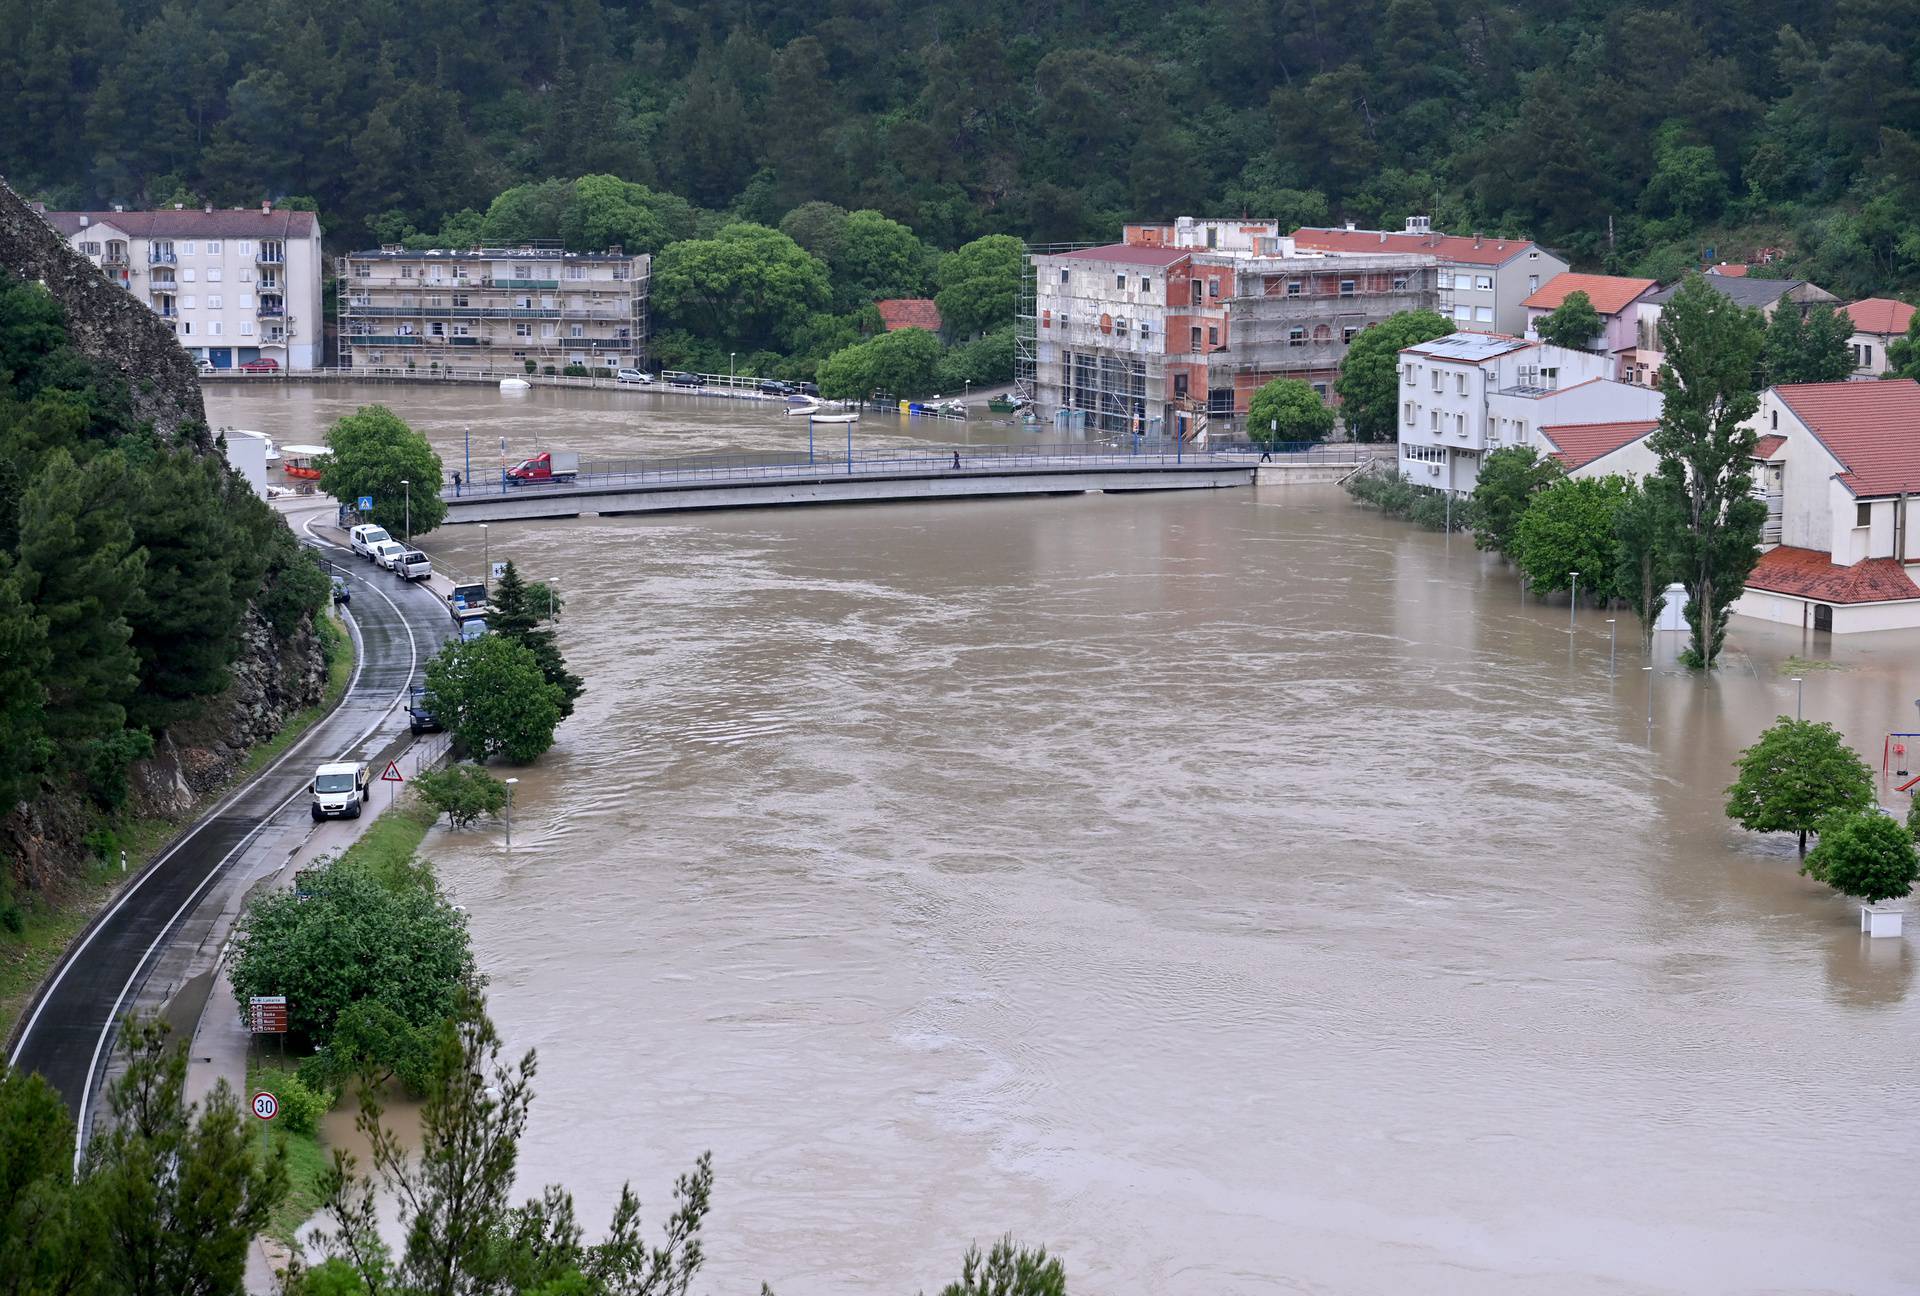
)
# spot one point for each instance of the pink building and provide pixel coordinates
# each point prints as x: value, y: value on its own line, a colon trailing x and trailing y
x: 1617, y: 299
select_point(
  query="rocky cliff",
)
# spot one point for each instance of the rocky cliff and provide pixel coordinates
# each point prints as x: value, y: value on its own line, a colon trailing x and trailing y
x: 273, y: 677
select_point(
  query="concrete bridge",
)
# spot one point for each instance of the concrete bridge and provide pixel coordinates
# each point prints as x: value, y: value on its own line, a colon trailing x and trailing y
x: 614, y: 488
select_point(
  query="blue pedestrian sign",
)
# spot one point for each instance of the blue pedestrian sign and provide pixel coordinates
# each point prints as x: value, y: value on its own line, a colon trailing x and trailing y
x: 366, y: 504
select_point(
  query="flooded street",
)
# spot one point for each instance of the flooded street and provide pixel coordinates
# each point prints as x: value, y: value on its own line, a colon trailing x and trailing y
x: 1238, y: 892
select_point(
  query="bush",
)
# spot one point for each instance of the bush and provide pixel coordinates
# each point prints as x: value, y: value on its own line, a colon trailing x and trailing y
x: 1867, y: 855
x: 462, y: 793
x: 1395, y: 496
x: 493, y: 694
x: 301, y: 1106
x: 575, y: 371
x: 548, y: 371
x: 531, y: 366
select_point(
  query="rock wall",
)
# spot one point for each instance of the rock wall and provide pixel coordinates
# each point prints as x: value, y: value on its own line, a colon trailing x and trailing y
x: 104, y: 320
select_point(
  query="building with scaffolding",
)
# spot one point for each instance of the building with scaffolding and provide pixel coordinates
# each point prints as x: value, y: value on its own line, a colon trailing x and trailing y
x: 1171, y: 331
x: 1483, y: 281
x: 493, y: 308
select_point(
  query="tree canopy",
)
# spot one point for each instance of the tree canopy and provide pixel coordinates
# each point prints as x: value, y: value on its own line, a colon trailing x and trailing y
x: 1287, y: 409
x: 373, y: 452
x: 1865, y: 854
x: 492, y: 694
x: 1797, y: 774
x: 1510, y: 478
x: 1569, y: 526
x: 905, y: 363
x: 1369, y: 382
x: 1812, y: 349
x: 1573, y: 323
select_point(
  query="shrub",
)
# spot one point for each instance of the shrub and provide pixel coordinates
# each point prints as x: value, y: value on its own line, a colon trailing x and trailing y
x: 301, y: 1106
x: 575, y: 371
x: 531, y: 366
x: 548, y: 370
x: 462, y: 793
x: 1866, y: 855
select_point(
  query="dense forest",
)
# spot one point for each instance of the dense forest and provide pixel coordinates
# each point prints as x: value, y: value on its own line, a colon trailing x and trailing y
x: 1634, y: 135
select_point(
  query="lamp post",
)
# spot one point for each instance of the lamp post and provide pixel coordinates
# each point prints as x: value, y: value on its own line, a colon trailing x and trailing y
x: 1649, y: 671
x: 510, y: 786
x: 1573, y: 599
x: 1613, y: 638
x: 730, y: 356
x: 406, y: 489
x: 469, y: 439
x: 1799, y: 694
x: 486, y: 562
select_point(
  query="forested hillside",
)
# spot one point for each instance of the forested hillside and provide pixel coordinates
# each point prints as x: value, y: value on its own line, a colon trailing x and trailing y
x: 1764, y: 123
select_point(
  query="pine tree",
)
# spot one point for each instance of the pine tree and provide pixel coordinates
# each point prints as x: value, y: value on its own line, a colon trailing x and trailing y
x: 23, y: 691
x: 82, y: 573
x: 513, y: 615
x: 185, y: 628
x: 1712, y: 349
x: 1643, y: 572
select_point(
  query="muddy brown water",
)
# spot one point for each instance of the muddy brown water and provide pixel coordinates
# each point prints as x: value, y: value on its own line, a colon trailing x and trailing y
x: 1238, y: 892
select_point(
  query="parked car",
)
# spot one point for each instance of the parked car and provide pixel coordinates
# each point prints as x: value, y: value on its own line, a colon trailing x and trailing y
x: 805, y: 389
x: 632, y: 376
x: 263, y: 365
x: 363, y: 538
x: 206, y: 367
x: 413, y: 565
x: 389, y: 552
x: 467, y: 602
x: 677, y: 378
x: 775, y: 387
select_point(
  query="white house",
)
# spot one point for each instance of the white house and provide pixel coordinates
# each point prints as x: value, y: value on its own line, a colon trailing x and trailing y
x: 237, y: 286
x: 1602, y: 449
x: 1847, y: 456
x: 1467, y: 394
x: 1877, y: 321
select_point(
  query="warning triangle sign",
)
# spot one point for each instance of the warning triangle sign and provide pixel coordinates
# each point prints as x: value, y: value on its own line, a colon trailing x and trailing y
x: 393, y: 774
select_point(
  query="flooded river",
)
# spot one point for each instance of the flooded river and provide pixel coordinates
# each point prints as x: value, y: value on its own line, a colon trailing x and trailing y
x: 1238, y: 892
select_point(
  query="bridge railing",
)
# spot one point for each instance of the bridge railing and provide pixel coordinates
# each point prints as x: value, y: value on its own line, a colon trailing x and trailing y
x: 831, y: 457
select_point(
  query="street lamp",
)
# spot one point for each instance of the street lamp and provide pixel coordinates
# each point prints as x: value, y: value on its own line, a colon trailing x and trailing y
x: 1649, y: 671
x: 406, y: 489
x: 469, y: 477
x: 1799, y: 694
x: 1613, y: 637
x: 1573, y: 599
x: 510, y: 786
x: 730, y: 356
x: 486, y: 563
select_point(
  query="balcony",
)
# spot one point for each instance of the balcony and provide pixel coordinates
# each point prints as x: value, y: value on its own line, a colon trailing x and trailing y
x: 114, y: 257
x: 156, y: 256
x: 161, y: 281
x: 520, y: 283
x: 383, y: 339
x: 274, y: 310
x: 270, y: 256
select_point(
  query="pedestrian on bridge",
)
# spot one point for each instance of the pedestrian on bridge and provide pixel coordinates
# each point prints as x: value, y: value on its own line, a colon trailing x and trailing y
x: 956, y: 458
x: 456, y: 485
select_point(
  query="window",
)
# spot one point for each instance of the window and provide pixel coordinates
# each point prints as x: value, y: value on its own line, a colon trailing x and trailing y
x: 460, y: 330
x: 547, y: 331
x: 1320, y: 390
x: 578, y: 330
x: 1213, y: 335
x: 1406, y: 413
x: 1144, y: 330
x: 1296, y: 336
x: 1180, y: 386
x: 186, y: 276
x: 214, y: 328
x: 436, y: 329
x: 1294, y: 288
x: 244, y: 247
x: 1446, y: 279
x: 1533, y: 284
x: 186, y: 303
x: 1406, y: 374
x: 1436, y: 380
x: 1213, y: 237
x: 1195, y: 344
x: 1483, y: 314
x: 1425, y: 454
x: 1146, y: 284
x: 1463, y: 312
x: 246, y: 275
x: 1483, y: 282
x: 1863, y: 514
x: 1534, y: 255
x: 213, y: 247
x: 186, y: 249
x: 246, y: 328
x: 186, y: 326
x: 460, y: 299
x: 406, y: 272
x: 1774, y: 415
x: 1346, y: 287
x: 213, y: 275
x: 213, y: 301
x: 1350, y: 332
x: 1199, y: 291
x: 1433, y: 421
x: 1213, y: 288
x: 1549, y: 377
x: 91, y: 249
x: 523, y: 330
x: 1120, y: 282
x: 523, y: 272
x: 576, y: 272
x: 1399, y: 283
x: 246, y: 301
x: 1063, y: 276
x: 1460, y: 384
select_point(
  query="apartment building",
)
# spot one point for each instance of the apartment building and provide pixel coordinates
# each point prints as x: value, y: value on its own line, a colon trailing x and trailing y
x: 1466, y: 395
x: 493, y: 308
x: 1615, y: 299
x: 1482, y: 282
x: 237, y: 286
x: 1174, y: 330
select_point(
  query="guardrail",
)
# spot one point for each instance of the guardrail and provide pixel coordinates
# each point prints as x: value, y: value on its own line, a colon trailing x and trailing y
x: 739, y: 386
x: 863, y: 461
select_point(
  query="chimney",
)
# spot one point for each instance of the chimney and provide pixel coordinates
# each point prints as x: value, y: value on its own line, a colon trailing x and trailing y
x: 266, y: 207
x: 1349, y: 227
x: 117, y: 207
x: 1476, y: 238
x: 1383, y: 237
x: 83, y: 220
x: 179, y: 206
x: 209, y: 209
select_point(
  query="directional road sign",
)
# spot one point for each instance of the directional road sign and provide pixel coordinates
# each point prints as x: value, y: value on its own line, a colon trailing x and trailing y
x: 267, y: 1014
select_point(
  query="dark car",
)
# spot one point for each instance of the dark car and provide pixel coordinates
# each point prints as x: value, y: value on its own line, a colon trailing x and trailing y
x: 419, y: 719
x: 676, y: 378
x: 775, y: 387
x: 805, y: 389
x: 263, y: 365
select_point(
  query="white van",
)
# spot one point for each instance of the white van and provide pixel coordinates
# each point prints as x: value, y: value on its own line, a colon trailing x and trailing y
x: 364, y: 537
x: 388, y: 552
x: 340, y: 789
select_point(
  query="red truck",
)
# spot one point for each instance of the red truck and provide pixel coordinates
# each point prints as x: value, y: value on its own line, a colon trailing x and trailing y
x: 547, y: 466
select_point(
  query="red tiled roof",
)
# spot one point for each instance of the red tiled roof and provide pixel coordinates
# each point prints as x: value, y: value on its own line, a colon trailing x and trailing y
x: 1610, y: 294
x: 193, y: 222
x: 1728, y: 271
x: 1766, y: 445
x: 1130, y: 254
x: 1879, y: 315
x: 1579, y: 444
x: 1810, y: 574
x: 909, y: 312
x: 1447, y: 247
x: 1872, y: 428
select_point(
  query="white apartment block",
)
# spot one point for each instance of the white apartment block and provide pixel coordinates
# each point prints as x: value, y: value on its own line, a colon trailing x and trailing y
x: 495, y: 309
x: 1466, y: 395
x: 237, y: 286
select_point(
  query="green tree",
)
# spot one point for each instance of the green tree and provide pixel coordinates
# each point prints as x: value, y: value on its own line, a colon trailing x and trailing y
x: 354, y: 938
x: 462, y: 793
x: 877, y: 259
x: 1009, y: 1270
x: 1796, y: 775
x: 1811, y: 350
x: 24, y: 661
x: 1704, y: 444
x: 979, y: 285
x: 371, y: 452
x: 1287, y: 409
x: 1510, y: 478
x: 80, y: 569
x: 46, y: 1232
x: 747, y: 287
x: 983, y: 362
x: 1864, y: 854
x: 1571, y: 526
x: 1903, y: 353
x: 1642, y: 574
x: 1369, y: 382
x: 904, y: 362
x: 1574, y: 323
x: 606, y: 211
x: 819, y: 227
x: 492, y: 694
x: 515, y: 615
x: 178, y: 1189
x: 460, y: 1232
x: 185, y: 629
x: 528, y: 212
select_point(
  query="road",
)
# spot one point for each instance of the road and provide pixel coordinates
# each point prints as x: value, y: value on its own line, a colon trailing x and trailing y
x: 69, y: 1030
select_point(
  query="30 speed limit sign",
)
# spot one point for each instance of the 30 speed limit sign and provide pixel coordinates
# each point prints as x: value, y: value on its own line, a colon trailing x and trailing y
x: 265, y: 1105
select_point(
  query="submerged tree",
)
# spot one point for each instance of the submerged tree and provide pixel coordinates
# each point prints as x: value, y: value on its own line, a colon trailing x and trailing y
x: 1798, y: 774
x: 1642, y: 572
x: 1865, y: 854
x: 1510, y: 479
x: 1712, y: 347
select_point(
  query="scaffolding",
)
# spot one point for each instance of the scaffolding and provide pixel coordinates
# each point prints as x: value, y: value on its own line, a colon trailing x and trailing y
x: 1026, y: 331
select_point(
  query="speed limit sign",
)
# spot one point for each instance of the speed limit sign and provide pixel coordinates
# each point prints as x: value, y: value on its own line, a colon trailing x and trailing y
x: 265, y: 1105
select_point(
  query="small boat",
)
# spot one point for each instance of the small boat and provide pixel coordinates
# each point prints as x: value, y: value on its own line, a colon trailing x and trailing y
x: 802, y: 405
x: 514, y: 384
x: 299, y: 460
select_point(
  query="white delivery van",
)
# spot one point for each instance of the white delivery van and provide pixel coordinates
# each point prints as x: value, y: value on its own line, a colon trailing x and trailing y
x: 364, y: 537
x: 340, y: 789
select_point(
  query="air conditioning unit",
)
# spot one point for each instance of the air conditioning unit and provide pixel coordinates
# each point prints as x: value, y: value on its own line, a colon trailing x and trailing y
x: 1433, y: 469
